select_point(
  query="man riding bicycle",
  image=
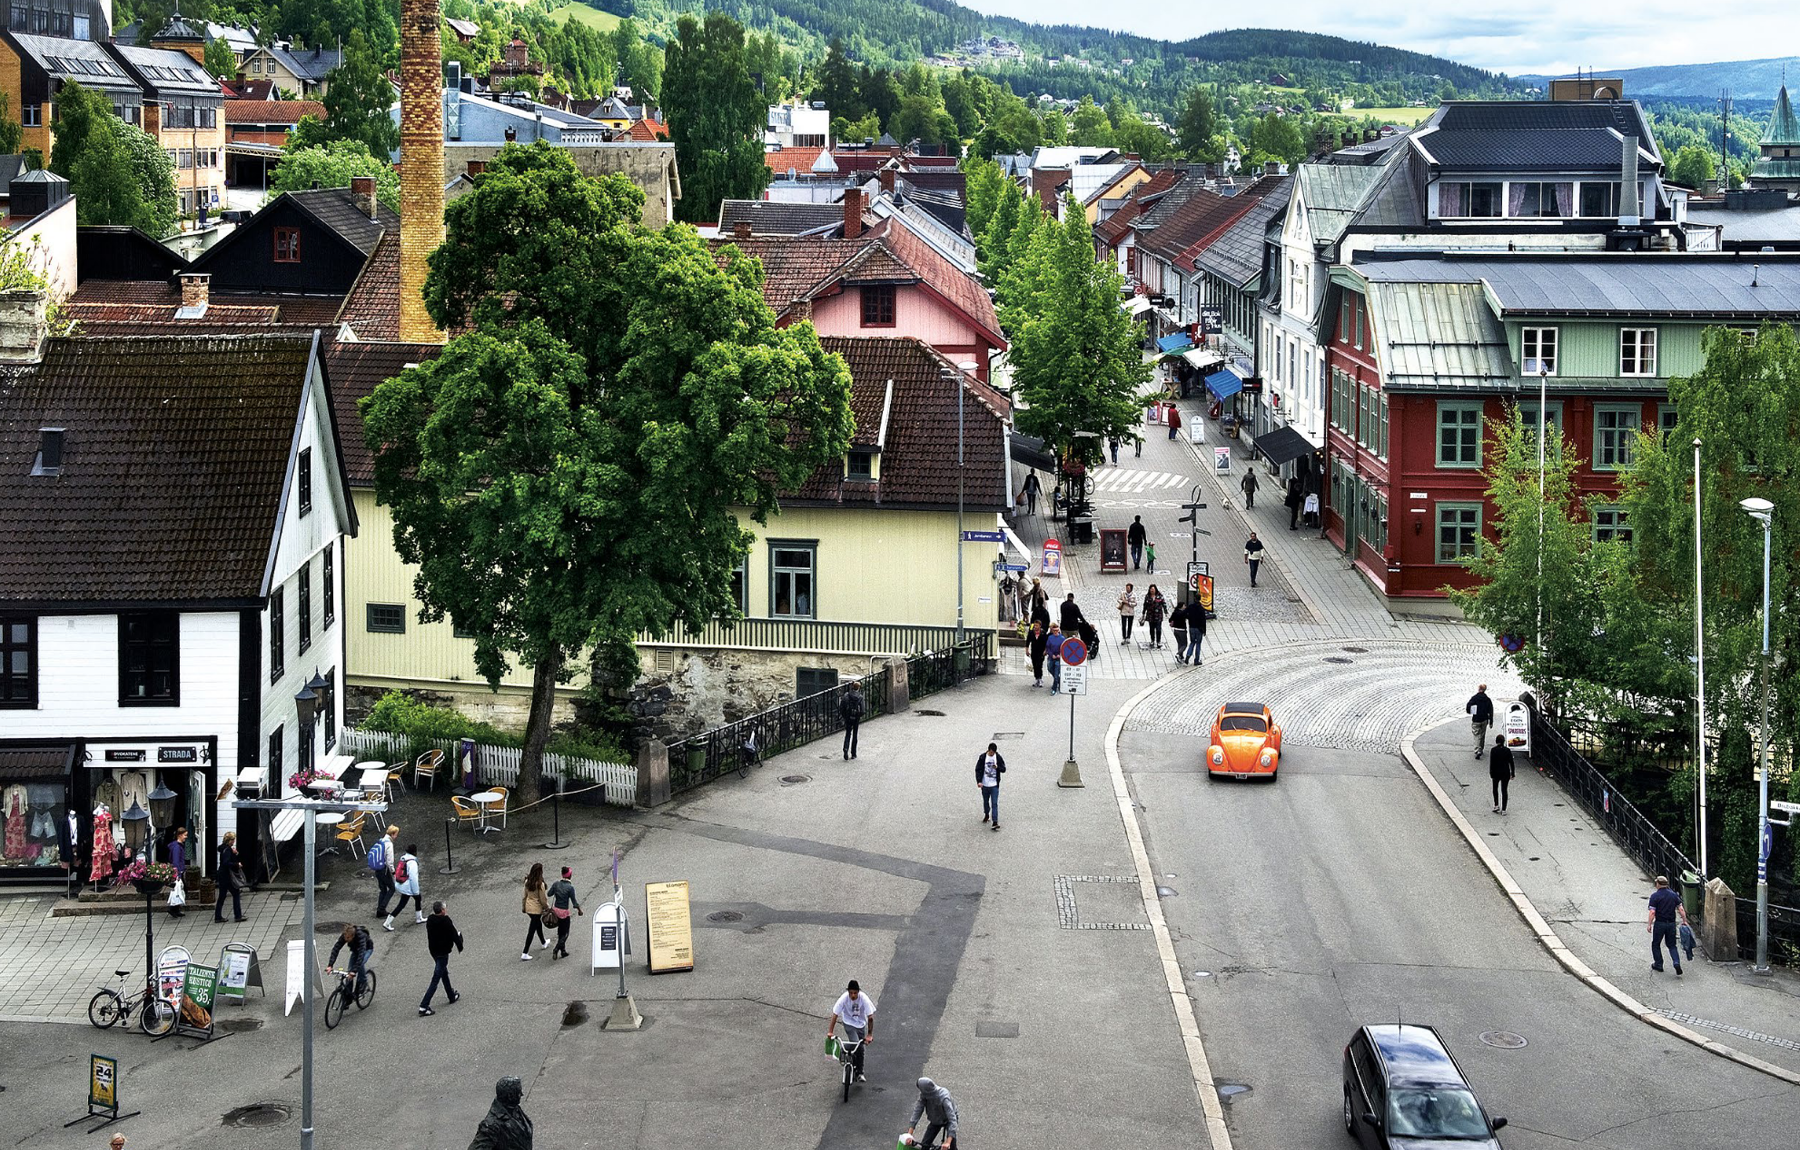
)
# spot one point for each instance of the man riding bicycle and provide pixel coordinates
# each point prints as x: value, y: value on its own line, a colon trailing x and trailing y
x: 361, y: 946
x: 856, y: 1011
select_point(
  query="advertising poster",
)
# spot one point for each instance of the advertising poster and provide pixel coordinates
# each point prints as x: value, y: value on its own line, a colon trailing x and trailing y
x: 671, y: 926
x: 103, y: 1082
x: 198, y: 990
x: 234, y: 973
x: 171, y: 974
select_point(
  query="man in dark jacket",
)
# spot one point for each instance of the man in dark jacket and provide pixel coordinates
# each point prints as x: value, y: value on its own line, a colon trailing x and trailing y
x: 505, y: 1127
x: 1480, y: 709
x: 1196, y: 631
x: 850, y: 709
x: 361, y: 947
x: 1296, y: 497
x: 440, y: 936
x: 1134, y: 536
x: 989, y: 766
x: 1500, y: 771
x: 1072, y: 618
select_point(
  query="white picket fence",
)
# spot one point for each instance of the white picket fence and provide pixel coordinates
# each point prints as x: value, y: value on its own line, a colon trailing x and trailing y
x: 501, y: 764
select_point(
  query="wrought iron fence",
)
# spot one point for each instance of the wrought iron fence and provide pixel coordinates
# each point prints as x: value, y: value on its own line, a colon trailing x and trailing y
x: 704, y: 757
x: 816, y: 636
x: 958, y: 663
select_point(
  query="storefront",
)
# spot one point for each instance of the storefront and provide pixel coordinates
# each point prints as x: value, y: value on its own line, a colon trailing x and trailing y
x: 35, y: 805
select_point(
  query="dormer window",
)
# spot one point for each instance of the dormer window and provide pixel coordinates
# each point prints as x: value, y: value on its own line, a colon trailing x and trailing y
x: 861, y: 465
x: 50, y: 452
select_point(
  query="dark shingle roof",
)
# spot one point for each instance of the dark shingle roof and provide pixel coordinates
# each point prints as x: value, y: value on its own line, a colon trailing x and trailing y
x: 174, y: 459
x: 1237, y: 253
x: 1533, y: 136
x: 355, y: 371
x: 1204, y: 213
x: 335, y: 209
x: 308, y: 63
x: 777, y: 217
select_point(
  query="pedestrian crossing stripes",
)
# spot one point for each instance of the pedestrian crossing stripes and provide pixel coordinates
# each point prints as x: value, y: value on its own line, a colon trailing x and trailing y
x: 1119, y: 479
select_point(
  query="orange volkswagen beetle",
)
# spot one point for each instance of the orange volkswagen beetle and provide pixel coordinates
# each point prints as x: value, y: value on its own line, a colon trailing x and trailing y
x: 1245, y: 742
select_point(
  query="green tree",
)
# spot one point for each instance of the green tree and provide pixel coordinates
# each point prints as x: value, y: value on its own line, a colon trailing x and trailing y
x: 1137, y: 136
x: 1076, y: 356
x: 220, y: 60
x: 115, y: 178
x: 855, y: 131
x: 1692, y: 166
x: 566, y: 473
x: 991, y: 242
x: 1012, y: 129
x: 331, y: 166
x: 12, y: 133
x: 920, y: 118
x: 837, y: 84
x: 1197, y: 128
x: 1056, y: 127
x: 1090, y: 127
x: 154, y: 173
x: 982, y: 194
x: 1278, y: 138
x: 358, y: 105
x: 715, y: 116
x: 640, y: 62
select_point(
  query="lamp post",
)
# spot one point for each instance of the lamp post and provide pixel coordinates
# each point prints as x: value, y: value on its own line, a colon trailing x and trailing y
x: 1763, y: 512
x: 136, y: 821
x: 968, y: 368
x: 162, y: 808
x: 1543, y: 420
x: 1699, y: 669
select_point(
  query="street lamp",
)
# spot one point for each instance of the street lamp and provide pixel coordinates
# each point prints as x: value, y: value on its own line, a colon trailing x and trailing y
x: 162, y: 807
x: 1543, y: 420
x: 306, y: 704
x: 136, y: 820
x: 1763, y: 512
x: 968, y: 368
x: 1699, y: 667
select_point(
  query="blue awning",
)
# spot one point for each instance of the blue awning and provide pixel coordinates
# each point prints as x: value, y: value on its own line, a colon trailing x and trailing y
x: 1224, y: 384
x: 1174, y: 344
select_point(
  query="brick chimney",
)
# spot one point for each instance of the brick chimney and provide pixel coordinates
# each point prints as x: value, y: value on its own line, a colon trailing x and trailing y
x: 887, y: 180
x: 476, y: 167
x: 194, y: 288
x: 800, y: 310
x: 22, y: 325
x: 853, y: 221
x: 362, y: 191
x: 1271, y: 167
x: 421, y: 162
x: 740, y: 230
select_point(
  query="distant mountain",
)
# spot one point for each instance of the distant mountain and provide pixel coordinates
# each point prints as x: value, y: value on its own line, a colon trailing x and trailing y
x: 1747, y: 79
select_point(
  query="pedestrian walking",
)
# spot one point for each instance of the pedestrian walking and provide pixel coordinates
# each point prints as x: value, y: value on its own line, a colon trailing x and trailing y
x: 1196, y: 631
x: 1253, y: 550
x: 229, y: 878
x: 989, y: 766
x: 1296, y: 496
x: 1178, y: 622
x: 441, y: 936
x: 1137, y: 446
x: 850, y: 709
x: 1032, y: 490
x: 562, y: 900
x: 1155, y: 609
x: 1665, y: 910
x: 178, y: 860
x: 939, y: 1111
x: 534, y: 904
x: 1174, y: 422
x: 1500, y: 771
x: 1071, y: 617
x: 1249, y: 484
x: 381, y: 859
x: 1113, y: 445
x: 1481, y: 717
x: 1036, y: 645
x: 406, y: 884
x: 1150, y: 557
x: 1127, y: 612
x: 1053, y: 651
x: 1134, y: 536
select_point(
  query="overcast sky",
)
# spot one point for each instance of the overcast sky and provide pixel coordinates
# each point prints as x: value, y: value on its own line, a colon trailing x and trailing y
x: 1513, y: 36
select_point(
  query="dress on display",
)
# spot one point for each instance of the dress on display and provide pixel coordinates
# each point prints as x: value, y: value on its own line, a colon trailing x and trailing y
x: 15, y: 828
x: 103, y: 846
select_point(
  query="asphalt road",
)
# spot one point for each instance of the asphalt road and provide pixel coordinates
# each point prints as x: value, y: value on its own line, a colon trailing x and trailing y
x: 1340, y: 895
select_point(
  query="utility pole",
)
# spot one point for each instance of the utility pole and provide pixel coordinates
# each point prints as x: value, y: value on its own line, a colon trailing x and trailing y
x: 1763, y: 512
x: 1699, y: 668
x: 1724, y: 140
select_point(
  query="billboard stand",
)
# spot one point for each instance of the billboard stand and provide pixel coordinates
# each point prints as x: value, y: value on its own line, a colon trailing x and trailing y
x: 103, y: 1094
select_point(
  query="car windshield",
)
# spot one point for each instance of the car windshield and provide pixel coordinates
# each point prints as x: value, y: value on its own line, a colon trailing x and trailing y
x: 1434, y: 1112
x: 1243, y: 723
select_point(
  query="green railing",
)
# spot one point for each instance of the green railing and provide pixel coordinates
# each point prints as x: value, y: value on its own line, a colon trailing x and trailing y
x: 823, y: 637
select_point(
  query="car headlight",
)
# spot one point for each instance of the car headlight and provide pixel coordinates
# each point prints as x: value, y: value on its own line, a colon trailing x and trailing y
x: 1217, y: 755
x: 1268, y: 757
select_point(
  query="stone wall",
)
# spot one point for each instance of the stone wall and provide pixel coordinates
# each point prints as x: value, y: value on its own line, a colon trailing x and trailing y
x: 505, y: 709
x: 683, y: 692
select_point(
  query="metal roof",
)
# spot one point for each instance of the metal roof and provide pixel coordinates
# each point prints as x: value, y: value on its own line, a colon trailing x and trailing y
x: 1533, y: 136
x: 1438, y: 335
x: 1783, y: 127
x: 1331, y: 193
x: 1745, y: 226
x: 1747, y: 287
x: 1236, y: 256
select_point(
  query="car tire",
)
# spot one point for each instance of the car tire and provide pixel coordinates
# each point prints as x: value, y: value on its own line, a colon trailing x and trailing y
x: 1349, y: 1115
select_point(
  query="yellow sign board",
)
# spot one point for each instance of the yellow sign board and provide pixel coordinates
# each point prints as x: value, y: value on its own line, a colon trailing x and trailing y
x: 103, y: 1083
x: 671, y: 926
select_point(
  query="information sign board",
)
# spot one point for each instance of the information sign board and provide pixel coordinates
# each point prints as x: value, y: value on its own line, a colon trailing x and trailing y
x: 669, y: 923
x: 1074, y: 679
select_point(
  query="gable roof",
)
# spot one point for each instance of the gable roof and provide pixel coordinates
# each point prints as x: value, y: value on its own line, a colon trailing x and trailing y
x: 1117, y: 226
x: 310, y: 64
x: 1331, y: 193
x: 648, y: 131
x: 1200, y: 216
x: 331, y: 208
x: 798, y: 160
x: 778, y: 217
x: 356, y: 369
x: 1533, y: 135
x: 271, y: 111
x: 962, y: 290
x: 371, y: 308
x: 166, y: 71
x: 1236, y: 254
x: 176, y: 454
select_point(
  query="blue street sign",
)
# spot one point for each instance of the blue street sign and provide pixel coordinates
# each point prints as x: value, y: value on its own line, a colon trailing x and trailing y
x: 1015, y: 567
x: 983, y: 537
x: 1768, y: 837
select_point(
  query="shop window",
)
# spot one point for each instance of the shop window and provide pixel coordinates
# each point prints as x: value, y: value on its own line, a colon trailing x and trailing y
x: 150, y: 659
x: 387, y: 618
x: 1615, y: 435
x: 1458, y: 531
x: 277, y: 637
x: 328, y: 588
x: 1537, y: 350
x: 792, y: 567
x: 1609, y: 525
x: 303, y: 616
x: 878, y: 305
x: 287, y: 245
x: 1459, y: 435
x: 18, y: 661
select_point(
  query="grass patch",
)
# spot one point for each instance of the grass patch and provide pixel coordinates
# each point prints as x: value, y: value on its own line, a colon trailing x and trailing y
x: 592, y: 17
x: 1395, y: 115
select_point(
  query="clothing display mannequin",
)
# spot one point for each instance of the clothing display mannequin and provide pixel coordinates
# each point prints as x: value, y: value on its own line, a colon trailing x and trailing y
x: 103, y: 845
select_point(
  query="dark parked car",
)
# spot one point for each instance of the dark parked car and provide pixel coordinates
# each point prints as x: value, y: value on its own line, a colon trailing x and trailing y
x: 1403, y: 1091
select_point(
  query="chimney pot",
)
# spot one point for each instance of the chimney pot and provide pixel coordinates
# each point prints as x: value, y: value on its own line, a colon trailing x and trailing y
x: 853, y: 221
x: 740, y: 230
x: 23, y: 326
x: 195, y: 288
x: 1271, y: 167
x: 362, y: 190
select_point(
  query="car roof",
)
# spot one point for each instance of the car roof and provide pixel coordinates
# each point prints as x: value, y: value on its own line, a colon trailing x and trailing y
x: 1242, y: 709
x: 1414, y: 1054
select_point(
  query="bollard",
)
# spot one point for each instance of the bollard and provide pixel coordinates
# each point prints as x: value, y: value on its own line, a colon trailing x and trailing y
x: 449, y: 866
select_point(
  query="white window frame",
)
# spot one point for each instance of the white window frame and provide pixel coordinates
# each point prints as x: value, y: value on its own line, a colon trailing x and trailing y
x: 777, y: 570
x: 1637, y: 351
x: 1532, y: 350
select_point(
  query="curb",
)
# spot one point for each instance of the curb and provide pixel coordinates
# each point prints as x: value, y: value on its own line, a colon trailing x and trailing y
x: 1204, y: 1084
x: 1546, y: 934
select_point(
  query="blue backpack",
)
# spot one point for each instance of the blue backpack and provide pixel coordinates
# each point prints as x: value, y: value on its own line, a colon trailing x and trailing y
x: 378, y: 855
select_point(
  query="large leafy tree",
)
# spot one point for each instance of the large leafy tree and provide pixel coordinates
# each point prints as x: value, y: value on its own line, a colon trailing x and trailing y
x: 116, y: 176
x: 836, y: 84
x: 1197, y: 128
x: 1090, y: 127
x: 715, y: 116
x: 358, y: 105
x: 331, y: 166
x: 566, y: 475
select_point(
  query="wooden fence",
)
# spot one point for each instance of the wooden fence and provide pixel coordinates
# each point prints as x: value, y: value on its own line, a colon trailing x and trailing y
x: 499, y: 764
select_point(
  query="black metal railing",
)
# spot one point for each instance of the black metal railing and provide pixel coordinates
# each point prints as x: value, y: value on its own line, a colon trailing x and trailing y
x: 816, y: 636
x: 932, y: 671
x: 702, y: 758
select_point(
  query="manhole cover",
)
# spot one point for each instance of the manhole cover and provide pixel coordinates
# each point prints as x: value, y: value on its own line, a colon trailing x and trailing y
x: 1356, y: 650
x: 240, y: 1025
x: 725, y: 916
x: 1504, y: 1039
x: 1338, y: 659
x: 788, y: 780
x: 261, y: 1114
x: 335, y: 926
x: 936, y: 714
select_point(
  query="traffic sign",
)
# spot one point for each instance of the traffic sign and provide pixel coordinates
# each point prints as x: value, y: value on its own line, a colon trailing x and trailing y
x: 1015, y: 566
x: 1074, y: 680
x: 1790, y: 808
x: 1074, y: 653
x: 983, y: 537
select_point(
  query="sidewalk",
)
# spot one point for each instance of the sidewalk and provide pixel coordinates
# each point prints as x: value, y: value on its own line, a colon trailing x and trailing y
x: 1593, y: 897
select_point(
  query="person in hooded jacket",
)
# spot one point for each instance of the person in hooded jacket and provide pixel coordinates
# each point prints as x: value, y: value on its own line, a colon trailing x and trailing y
x: 406, y: 885
x: 939, y: 1111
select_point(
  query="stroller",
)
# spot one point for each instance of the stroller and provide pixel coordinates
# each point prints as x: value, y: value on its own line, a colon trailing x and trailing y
x: 1091, y: 639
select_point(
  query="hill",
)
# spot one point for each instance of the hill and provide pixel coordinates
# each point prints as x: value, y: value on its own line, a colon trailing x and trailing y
x: 1746, y: 79
x: 584, y: 14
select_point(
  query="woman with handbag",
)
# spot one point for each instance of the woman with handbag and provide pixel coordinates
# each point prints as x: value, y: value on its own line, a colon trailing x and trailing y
x: 536, y: 906
x: 562, y: 898
x: 178, y: 860
x: 229, y: 878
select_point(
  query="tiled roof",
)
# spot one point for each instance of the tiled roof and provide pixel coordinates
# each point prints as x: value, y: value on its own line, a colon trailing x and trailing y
x: 778, y: 217
x: 950, y: 281
x: 271, y: 111
x: 96, y: 313
x: 799, y: 159
x: 165, y: 295
x: 1201, y: 216
x: 1237, y: 253
x: 308, y: 63
x: 794, y: 266
x: 648, y: 131
x: 372, y: 309
x: 355, y: 371
x: 175, y: 453
x: 918, y: 456
x: 335, y: 209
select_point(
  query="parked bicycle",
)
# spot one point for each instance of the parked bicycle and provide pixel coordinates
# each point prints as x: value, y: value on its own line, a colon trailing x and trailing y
x: 112, y: 1006
x: 750, y: 751
x: 346, y: 992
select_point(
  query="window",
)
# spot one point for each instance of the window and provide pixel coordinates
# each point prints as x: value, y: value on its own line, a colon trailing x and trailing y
x: 1599, y: 198
x: 306, y: 481
x: 1356, y: 324
x: 31, y: 115
x: 1343, y: 332
x: 1609, y: 525
x: 150, y: 659
x: 331, y: 711
x: 878, y: 305
x: 274, y: 784
x: 1458, y: 199
x: 277, y: 637
x: 18, y: 661
x: 1615, y: 430
x: 791, y: 569
x: 1458, y: 531
x: 740, y: 586
x: 1637, y: 351
x: 1531, y: 199
x: 304, y: 615
x: 387, y: 618
x: 287, y: 245
x: 1459, y: 435
x: 1665, y: 419
x: 328, y: 588
x: 861, y: 465
x: 256, y: 66
x: 79, y: 28
x: 1382, y: 449
x: 1537, y: 350
x: 1528, y: 417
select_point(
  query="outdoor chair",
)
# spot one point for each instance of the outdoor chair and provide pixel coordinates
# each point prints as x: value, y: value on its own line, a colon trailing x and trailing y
x: 466, y: 812
x: 428, y: 765
x: 350, y: 833
x: 500, y: 807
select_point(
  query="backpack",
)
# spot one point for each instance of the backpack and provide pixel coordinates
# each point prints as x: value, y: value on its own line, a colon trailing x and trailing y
x: 400, y: 870
x: 854, y: 705
x: 377, y: 859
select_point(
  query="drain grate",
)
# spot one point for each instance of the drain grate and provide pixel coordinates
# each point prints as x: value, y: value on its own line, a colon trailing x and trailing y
x: 1355, y: 650
x: 260, y: 1115
x: 1002, y: 735
x: 790, y: 780
x: 239, y: 1025
x: 934, y: 714
x: 725, y: 916
x: 1338, y: 659
x: 1504, y: 1039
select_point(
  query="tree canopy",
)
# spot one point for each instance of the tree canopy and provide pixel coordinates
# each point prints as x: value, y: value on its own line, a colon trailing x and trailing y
x: 715, y: 116
x: 331, y: 166
x: 117, y: 173
x: 358, y: 105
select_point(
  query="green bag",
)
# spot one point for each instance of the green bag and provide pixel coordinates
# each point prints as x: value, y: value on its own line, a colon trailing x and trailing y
x: 831, y: 1047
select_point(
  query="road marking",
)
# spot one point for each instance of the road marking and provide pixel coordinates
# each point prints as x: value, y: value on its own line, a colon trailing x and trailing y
x: 1120, y: 480
x: 1204, y: 1086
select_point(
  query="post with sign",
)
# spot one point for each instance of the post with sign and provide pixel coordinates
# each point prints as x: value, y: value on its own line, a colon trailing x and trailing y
x: 625, y: 1014
x: 103, y: 1094
x: 1074, y: 681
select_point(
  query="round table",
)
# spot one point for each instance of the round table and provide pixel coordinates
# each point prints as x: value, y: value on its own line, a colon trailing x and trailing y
x: 327, y: 819
x: 486, y: 799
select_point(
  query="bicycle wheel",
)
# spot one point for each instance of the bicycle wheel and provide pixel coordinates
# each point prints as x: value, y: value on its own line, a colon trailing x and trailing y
x: 334, y: 1008
x: 105, y: 1009
x: 367, y: 994
x: 157, y: 1017
x: 849, y: 1073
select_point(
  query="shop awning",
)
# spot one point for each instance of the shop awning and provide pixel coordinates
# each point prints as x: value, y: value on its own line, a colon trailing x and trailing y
x: 1137, y: 304
x: 1174, y: 344
x: 51, y: 761
x: 1202, y: 357
x: 1031, y: 452
x: 1282, y: 445
x: 1224, y: 384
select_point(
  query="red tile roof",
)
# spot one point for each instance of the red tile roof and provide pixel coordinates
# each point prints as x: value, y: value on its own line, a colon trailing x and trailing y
x: 794, y: 267
x: 372, y: 309
x: 649, y: 130
x: 355, y: 370
x: 271, y: 111
x: 151, y: 296
x: 1203, y: 216
x: 1114, y: 228
x: 961, y: 289
x: 799, y: 159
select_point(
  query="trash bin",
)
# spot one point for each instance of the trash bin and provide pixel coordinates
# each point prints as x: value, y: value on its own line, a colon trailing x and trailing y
x: 1693, y: 897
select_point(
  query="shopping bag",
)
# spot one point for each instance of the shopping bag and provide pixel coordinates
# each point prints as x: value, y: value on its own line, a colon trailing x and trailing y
x: 178, y: 896
x: 831, y: 1047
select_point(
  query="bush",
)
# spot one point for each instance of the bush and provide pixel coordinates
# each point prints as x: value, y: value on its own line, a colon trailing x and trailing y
x: 422, y: 724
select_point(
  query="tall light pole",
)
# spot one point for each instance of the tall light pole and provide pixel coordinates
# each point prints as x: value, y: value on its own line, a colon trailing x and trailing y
x: 1542, y: 420
x: 1699, y: 667
x: 968, y: 368
x: 1763, y: 512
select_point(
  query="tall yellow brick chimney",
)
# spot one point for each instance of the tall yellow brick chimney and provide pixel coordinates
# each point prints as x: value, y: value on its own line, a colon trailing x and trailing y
x: 421, y: 162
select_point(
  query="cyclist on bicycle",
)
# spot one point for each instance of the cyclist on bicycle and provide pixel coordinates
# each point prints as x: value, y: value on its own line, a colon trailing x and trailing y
x: 750, y: 748
x: 856, y: 1011
x: 361, y: 946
